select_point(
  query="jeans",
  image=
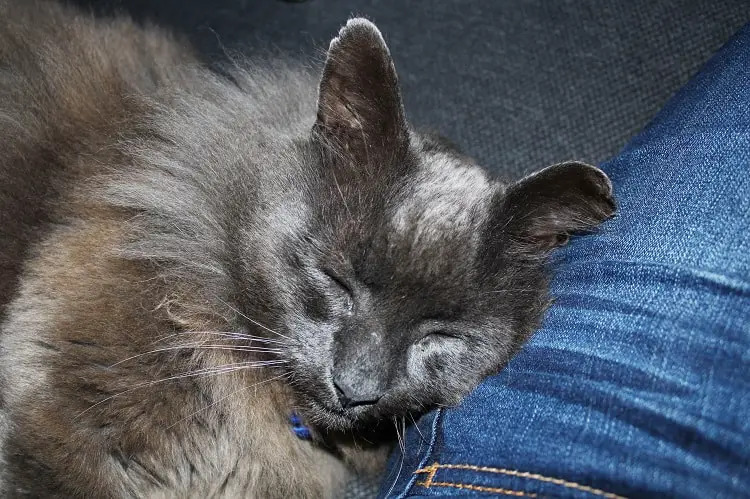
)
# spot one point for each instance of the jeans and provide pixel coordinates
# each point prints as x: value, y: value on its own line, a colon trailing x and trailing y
x: 638, y: 383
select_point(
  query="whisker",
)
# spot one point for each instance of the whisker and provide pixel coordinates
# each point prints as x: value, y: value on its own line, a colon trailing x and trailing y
x: 238, y: 348
x: 237, y: 336
x: 416, y: 426
x: 254, y: 385
x: 189, y: 374
x: 228, y: 369
x: 402, y: 446
x: 226, y: 334
x: 236, y: 367
x: 254, y: 321
x: 403, y: 433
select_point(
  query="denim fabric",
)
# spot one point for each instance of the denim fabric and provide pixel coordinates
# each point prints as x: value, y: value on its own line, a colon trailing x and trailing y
x: 638, y: 383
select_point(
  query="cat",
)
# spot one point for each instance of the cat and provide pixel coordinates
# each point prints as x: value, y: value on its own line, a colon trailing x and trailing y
x: 188, y: 260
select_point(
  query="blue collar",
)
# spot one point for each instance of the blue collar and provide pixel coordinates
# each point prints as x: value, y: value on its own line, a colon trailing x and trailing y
x: 298, y: 427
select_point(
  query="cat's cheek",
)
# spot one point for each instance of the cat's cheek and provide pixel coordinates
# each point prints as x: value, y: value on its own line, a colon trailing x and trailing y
x: 431, y: 359
x: 415, y: 364
x: 310, y: 343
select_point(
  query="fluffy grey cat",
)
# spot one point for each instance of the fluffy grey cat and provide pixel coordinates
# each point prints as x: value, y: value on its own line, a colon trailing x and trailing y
x: 187, y: 260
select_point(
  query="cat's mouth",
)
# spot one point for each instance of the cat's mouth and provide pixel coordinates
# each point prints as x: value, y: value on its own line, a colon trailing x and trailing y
x: 354, y: 413
x: 331, y: 414
x: 333, y: 406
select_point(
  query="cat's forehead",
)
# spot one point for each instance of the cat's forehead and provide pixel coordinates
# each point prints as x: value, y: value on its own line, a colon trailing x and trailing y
x: 444, y: 198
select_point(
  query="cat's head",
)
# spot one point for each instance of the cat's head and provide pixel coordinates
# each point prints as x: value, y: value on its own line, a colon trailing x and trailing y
x: 414, y: 274
x: 391, y: 270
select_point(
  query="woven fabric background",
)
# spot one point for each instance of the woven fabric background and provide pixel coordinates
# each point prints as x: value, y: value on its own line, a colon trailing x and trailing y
x: 519, y: 84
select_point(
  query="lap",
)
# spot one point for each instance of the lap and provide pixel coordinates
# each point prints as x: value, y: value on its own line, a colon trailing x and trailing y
x: 638, y: 383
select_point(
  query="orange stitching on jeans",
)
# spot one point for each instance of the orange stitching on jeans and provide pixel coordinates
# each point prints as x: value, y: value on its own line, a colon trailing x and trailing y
x: 478, y: 488
x: 432, y: 469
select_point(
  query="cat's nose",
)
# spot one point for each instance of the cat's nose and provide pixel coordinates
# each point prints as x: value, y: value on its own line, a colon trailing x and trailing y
x: 353, y: 396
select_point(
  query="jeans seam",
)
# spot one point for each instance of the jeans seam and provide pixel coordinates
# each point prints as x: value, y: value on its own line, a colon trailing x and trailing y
x: 426, y: 458
x: 433, y: 468
x: 479, y: 488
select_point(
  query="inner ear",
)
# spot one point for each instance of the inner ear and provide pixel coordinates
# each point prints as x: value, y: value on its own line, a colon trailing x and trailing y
x: 359, y: 104
x: 541, y: 211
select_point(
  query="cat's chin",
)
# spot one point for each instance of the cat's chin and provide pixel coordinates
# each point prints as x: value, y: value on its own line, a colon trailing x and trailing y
x: 342, y: 420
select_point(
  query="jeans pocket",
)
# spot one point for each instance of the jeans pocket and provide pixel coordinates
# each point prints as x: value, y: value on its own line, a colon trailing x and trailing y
x: 439, y: 479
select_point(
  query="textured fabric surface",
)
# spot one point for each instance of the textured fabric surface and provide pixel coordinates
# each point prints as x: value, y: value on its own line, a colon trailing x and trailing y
x: 517, y: 83
x: 638, y: 383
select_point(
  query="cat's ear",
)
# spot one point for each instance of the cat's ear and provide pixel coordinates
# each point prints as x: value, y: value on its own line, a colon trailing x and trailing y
x: 541, y: 211
x: 359, y: 104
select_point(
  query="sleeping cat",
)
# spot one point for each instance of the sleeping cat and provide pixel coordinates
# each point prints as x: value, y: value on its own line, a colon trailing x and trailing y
x: 188, y: 260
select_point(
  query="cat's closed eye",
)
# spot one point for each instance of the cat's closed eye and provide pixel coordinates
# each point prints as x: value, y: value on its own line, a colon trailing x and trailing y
x: 431, y: 352
x: 442, y: 334
x: 342, y: 291
x: 438, y: 340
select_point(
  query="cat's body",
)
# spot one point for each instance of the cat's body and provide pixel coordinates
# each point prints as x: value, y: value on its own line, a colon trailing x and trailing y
x: 180, y: 253
x: 71, y: 90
